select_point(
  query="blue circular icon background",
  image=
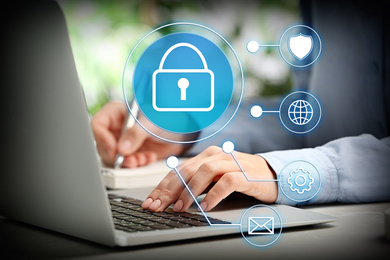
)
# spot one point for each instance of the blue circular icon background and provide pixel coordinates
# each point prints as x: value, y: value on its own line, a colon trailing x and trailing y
x: 183, y: 62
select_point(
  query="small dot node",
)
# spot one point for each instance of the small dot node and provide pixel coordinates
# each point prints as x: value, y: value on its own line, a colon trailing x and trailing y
x: 228, y: 147
x: 252, y: 46
x: 256, y: 111
x: 172, y: 162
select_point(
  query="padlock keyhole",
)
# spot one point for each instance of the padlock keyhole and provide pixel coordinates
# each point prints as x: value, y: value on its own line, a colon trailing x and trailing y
x: 183, y: 85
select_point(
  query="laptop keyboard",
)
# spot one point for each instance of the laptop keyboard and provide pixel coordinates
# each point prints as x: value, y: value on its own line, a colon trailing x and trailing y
x: 129, y: 216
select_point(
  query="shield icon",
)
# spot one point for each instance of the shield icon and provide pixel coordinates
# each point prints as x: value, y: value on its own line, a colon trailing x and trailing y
x: 300, y: 45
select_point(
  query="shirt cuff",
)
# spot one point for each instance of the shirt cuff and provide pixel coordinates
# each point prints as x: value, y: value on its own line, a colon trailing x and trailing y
x: 329, y: 188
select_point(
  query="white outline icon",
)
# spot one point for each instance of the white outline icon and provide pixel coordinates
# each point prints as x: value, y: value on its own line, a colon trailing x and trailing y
x: 300, y: 45
x: 295, y: 188
x: 161, y: 70
x: 277, y: 224
x: 265, y: 224
x: 300, y: 180
x: 296, y: 109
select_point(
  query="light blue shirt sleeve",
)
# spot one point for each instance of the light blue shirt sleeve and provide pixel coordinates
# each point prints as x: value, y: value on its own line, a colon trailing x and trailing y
x: 352, y: 169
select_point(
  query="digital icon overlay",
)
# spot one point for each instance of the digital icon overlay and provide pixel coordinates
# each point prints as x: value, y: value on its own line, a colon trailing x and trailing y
x: 299, y: 112
x: 179, y: 82
x: 180, y: 78
x: 261, y: 225
x: 299, y: 46
x: 300, y: 180
x: 183, y: 83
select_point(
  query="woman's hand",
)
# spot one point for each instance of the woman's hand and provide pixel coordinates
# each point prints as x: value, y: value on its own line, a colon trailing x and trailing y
x: 136, y: 145
x: 213, y: 166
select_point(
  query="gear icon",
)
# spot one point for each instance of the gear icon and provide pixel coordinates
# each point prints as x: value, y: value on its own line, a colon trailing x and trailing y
x: 300, y: 180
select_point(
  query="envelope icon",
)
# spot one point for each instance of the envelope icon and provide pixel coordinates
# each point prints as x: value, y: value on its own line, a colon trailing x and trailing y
x: 260, y: 226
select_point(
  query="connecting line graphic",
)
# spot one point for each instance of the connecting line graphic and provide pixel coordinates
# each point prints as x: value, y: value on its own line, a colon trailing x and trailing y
x: 197, y: 203
x: 227, y: 147
x: 257, y: 111
x: 253, y: 46
x: 263, y: 180
x: 269, y: 45
x: 173, y: 162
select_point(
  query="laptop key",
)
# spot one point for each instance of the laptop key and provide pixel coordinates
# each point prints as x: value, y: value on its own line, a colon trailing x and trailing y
x: 126, y: 229
x: 218, y: 221
x: 177, y: 224
x: 141, y: 227
x: 196, y: 223
x: 160, y: 226
x: 132, y: 201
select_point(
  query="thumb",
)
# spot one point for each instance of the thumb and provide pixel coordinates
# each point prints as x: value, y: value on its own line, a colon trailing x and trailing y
x: 131, y: 140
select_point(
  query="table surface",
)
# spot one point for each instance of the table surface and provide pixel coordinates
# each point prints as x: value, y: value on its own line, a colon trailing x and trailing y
x: 358, y: 233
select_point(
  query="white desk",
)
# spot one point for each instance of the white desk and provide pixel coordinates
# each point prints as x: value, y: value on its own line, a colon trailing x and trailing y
x: 359, y: 233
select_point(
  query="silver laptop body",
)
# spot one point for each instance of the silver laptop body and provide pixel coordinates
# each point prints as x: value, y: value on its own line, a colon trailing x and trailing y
x: 51, y: 174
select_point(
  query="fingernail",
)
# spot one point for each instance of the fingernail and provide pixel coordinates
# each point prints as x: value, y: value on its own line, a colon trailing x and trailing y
x: 203, y: 205
x: 178, y: 206
x: 125, y: 145
x: 147, y: 203
x: 155, y: 205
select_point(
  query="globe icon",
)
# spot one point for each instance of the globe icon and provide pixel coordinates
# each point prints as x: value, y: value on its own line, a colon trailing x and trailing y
x: 300, y: 112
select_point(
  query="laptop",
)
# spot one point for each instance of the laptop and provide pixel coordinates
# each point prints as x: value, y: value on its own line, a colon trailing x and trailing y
x: 51, y: 175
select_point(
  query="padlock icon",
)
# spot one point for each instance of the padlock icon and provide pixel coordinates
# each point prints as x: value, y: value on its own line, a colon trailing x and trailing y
x: 183, y: 90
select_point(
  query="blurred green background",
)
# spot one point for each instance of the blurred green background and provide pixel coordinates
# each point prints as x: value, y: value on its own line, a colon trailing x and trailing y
x: 103, y: 33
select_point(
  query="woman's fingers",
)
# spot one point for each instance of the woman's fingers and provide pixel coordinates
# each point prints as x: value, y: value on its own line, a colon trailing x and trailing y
x: 139, y: 159
x: 106, y: 144
x: 170, y: 188
x: 227, y: 184
x: 164, y: 194
x: 208, y: 172
x: 213, y: 165
x: 106, y: 125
